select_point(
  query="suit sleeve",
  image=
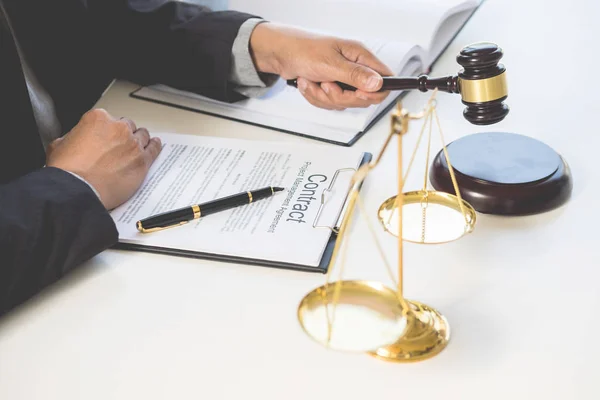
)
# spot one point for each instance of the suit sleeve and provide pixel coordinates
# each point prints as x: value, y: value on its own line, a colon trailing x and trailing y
x: 50, y: 222
x: 182, y: 45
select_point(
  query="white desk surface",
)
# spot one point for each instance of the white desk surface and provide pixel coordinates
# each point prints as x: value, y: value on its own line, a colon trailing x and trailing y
x: 522, y: 295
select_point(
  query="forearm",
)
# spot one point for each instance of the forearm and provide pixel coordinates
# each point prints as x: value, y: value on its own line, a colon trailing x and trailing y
x: 50, y: 222
x: 182, y: 45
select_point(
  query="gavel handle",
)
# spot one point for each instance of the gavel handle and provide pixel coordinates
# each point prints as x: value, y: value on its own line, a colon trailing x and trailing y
x: 422, y: 82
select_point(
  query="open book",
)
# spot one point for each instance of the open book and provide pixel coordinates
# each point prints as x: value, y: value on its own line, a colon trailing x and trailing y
x: 290, y: 230
x: 407, y: 35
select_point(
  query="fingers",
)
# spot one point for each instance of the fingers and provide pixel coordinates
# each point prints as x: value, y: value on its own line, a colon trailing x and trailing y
x: 356, y: 53
x: 349, y: 98
x: 358, y: 67
x: 151, y: 146
x: 130, y: 123
x: 330, y: 96
x: 316, y: 96
x: 360, y: 76
x: 142, y: 136
x: 152, y: 150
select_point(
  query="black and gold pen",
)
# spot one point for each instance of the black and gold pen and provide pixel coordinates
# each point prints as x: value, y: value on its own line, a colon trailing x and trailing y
x: 186, y: 214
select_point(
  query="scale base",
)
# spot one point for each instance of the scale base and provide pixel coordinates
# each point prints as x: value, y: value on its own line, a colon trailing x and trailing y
x: 426, y: 335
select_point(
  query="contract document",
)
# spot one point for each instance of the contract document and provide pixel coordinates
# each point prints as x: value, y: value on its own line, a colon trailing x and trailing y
x: 291, y: 229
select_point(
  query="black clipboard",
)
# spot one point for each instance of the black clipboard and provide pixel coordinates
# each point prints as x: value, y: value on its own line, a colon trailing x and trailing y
x: 355, y: 138
x: 322, y: 267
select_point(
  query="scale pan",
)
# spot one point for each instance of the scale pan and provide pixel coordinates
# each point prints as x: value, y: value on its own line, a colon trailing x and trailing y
x: 428, y: 217
x: 366, y: 316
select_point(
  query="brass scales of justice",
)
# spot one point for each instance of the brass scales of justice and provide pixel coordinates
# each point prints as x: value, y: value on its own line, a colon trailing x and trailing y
x: 367, y: 316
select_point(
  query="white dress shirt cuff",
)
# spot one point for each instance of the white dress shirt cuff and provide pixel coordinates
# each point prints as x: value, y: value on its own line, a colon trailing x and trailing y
x: 83, y: 180
x: 249, y: 81
x: 86, y: 182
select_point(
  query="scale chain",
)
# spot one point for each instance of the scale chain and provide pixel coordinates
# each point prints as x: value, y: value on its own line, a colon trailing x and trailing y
x: 451, y: 169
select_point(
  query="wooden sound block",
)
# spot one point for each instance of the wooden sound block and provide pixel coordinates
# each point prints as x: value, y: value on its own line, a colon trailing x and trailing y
x: 504, y: 173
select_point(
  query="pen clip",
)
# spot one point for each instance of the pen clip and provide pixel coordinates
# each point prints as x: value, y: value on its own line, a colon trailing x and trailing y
x: 335, y: 228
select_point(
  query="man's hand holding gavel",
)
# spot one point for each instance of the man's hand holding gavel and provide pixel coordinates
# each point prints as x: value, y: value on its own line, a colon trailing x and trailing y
x: 319, y: 61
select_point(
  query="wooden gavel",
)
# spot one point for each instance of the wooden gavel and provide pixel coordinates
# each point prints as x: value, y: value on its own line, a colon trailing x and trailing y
x: 481, y: 83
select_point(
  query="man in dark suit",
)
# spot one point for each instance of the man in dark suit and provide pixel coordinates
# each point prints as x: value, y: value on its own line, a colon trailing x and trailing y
x: 63, y: 164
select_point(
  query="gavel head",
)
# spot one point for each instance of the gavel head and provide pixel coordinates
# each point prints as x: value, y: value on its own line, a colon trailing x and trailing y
x: 482, y: 83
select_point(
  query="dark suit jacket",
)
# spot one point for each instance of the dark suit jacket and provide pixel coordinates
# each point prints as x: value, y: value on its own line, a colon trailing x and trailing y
x: 50, y: 222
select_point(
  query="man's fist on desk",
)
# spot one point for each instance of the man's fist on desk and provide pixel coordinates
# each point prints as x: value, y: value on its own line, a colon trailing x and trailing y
x: 111, y: 155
